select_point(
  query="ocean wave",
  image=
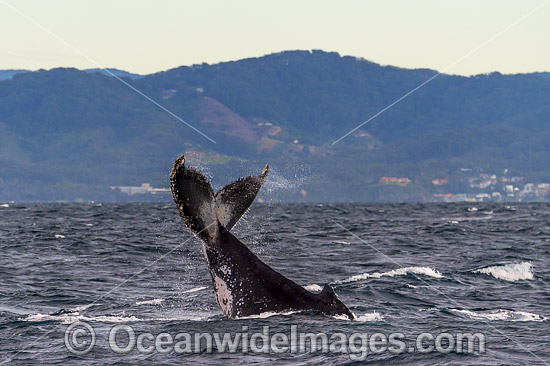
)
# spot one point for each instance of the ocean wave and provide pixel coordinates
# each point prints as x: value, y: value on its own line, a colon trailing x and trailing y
x: 13, y: 309
x: 370, y: 317
x: 71, y: 318
x: 509, y: 272
x: 500, y: 314
x: 426, y: 271
x: 459, y: 219
x: 150, y: 302
x: 194, y: 289
x: 82, y: 307
x: 367, y: 317
x: 267, y: 314
x: 4, y: 205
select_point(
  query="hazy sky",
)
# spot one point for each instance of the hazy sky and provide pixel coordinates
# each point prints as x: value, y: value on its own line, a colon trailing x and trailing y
x: 149, y: 36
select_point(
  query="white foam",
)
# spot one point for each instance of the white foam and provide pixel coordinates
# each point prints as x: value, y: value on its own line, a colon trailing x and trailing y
x: 459, y: 219
x: 4, y: 205
x: 150, y: 302
x: 370, y: 317
x: 266, y: 314
x: 426, y: 271
x: 82, y: 307
x: 59, y: 236
x: 195, y: 289
x: 313, y: 287
x: 71, y: 318
x: 500, y: 314
x: 509, y: 272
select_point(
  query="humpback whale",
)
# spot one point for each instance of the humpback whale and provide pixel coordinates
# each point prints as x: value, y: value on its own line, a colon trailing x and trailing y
x: 243, y: 284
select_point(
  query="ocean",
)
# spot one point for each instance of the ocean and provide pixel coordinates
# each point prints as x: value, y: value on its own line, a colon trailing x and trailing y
x: 421, y: 279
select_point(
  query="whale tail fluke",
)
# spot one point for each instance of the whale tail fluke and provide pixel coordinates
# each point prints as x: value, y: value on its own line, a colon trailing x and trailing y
x: 198, y: 205
x: 244, y: 285
x: 194, y: 197
x: 234, y: 199
x: 337, y: 307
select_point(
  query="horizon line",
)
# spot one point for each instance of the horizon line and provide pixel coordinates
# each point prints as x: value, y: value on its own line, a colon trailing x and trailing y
x: 311, y: 51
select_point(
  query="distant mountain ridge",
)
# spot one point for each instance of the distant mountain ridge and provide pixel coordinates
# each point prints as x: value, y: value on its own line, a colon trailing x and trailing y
x: 115, y: 72
x: 67, y: 134
x: 8, y: 74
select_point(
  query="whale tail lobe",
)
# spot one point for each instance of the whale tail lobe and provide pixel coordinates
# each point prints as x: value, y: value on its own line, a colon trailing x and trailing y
x: 201, y: 209
x: 333, y: 304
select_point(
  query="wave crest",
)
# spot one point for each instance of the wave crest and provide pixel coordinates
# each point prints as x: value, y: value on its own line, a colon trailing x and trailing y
x: 71, y: 318
x: 426, y: 271
x: 509, y: 272
x: 370, y: 317
x: 195, y: 289
x: 150, y: 302
x: 500, y: 314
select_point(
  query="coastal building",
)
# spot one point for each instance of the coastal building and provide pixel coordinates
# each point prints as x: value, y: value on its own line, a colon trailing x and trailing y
x: 144, y: 188
x: 393, y: 180
x: 439, y: 182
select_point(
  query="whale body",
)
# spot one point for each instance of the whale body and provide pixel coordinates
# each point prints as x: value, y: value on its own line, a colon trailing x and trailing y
x: 243, y: 284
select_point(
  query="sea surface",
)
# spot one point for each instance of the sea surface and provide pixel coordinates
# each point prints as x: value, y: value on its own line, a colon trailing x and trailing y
x: 402, y: 269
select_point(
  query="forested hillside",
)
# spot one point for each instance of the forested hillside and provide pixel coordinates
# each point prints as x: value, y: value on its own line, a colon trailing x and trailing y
x: 67, y: 134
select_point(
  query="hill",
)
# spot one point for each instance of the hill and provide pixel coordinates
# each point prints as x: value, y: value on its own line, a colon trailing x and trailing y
x: 8, y: 74
x: 67, y: 134
x: 115, y: 72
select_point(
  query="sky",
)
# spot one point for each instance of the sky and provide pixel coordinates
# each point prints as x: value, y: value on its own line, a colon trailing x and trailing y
x: 462, y: 37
